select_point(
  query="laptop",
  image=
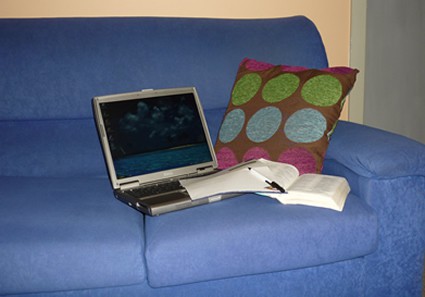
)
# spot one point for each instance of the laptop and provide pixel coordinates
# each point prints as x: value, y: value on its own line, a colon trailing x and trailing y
x: 151, y: 139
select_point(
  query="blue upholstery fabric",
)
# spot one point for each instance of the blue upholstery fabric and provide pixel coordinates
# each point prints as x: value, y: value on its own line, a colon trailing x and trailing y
x: 402, y: 239
x: 338, y: 279
x: 71, y: 60
x: 388, y: 171
x: 253, y: 234
x: 399, y: 202
x: 63, y: 234
x: 375, y: 152
x: 50, y: 148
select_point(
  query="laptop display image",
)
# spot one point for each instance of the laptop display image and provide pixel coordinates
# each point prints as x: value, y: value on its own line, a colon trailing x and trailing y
x: 150, y: 140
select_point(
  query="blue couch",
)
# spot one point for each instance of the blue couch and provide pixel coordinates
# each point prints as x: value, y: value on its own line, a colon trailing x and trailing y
x: 62, y: 233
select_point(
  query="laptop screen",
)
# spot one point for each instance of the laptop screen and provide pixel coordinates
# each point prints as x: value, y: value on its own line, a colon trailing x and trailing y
x: 148, y: 135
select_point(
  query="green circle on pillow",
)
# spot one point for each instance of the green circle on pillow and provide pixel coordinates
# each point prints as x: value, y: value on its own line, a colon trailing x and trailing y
x: 280, y: 87
x: 322, y: 90
x: 246, y: 88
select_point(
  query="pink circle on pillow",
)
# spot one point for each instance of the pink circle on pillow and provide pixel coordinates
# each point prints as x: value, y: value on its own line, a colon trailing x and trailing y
x: 254, y: 65
x: 226, y: 158
x: 300, y: 158
x: 256, y: 153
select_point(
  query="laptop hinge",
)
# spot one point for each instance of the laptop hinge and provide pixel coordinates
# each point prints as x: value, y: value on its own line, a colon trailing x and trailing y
x: 129, y: 185
x: 202, y: 169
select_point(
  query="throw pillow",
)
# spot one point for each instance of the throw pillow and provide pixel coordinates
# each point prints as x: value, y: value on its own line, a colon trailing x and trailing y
x: 282, y: 113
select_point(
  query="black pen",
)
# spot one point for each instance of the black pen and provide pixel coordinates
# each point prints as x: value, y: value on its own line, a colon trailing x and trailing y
x: 273, y: 184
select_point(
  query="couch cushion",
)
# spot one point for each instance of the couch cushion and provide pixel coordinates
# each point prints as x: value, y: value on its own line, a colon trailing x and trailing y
x: 63, y: 234
x: 253, y: 234
x: 50, y: 148
x: 282, y: 113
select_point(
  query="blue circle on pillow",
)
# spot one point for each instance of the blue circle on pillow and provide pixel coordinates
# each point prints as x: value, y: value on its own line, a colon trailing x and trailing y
x: 232, y: 125
x: 305, y: 126
x: 263, y: 124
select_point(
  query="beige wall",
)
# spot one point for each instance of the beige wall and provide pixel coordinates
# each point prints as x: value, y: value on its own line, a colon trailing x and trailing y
x: 332, y: 17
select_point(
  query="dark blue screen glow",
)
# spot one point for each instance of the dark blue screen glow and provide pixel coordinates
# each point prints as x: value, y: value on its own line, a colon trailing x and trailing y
x: 154, y: 134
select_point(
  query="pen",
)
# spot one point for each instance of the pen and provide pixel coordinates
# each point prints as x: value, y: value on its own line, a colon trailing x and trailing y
x: 273, y: 184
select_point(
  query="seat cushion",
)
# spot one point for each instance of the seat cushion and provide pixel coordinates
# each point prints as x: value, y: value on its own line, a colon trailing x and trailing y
x: 63, y: 234
x: 252, y: 234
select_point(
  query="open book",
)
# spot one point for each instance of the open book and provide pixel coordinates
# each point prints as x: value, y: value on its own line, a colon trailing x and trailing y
x: 273, y: 179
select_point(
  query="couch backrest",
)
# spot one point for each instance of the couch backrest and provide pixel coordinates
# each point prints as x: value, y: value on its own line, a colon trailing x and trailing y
x: 51, y: 68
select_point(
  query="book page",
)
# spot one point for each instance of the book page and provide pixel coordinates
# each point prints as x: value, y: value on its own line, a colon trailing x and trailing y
x: 284, y: 174
x: 318, y: 184
x: 318, y: 190
x: 233, y: 181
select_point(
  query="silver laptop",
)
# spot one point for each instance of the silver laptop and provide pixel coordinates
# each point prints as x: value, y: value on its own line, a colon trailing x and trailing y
x: 151, y: 139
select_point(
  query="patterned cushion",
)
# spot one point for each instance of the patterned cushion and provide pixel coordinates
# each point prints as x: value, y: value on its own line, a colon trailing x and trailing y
x: 282, y: 113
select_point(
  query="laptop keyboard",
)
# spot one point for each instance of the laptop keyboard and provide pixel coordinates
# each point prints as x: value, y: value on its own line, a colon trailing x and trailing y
x: 157, y: 189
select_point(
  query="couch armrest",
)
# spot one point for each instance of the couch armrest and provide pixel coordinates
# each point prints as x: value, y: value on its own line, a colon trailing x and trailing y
x: 371, y: 152
x: 388, y: 172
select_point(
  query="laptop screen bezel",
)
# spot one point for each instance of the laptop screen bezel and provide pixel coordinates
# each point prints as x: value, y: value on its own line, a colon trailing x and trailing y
x: 175, y: 173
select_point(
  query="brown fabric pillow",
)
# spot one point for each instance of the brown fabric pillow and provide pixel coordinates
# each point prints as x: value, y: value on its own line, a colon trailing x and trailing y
x: 282, y: 113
